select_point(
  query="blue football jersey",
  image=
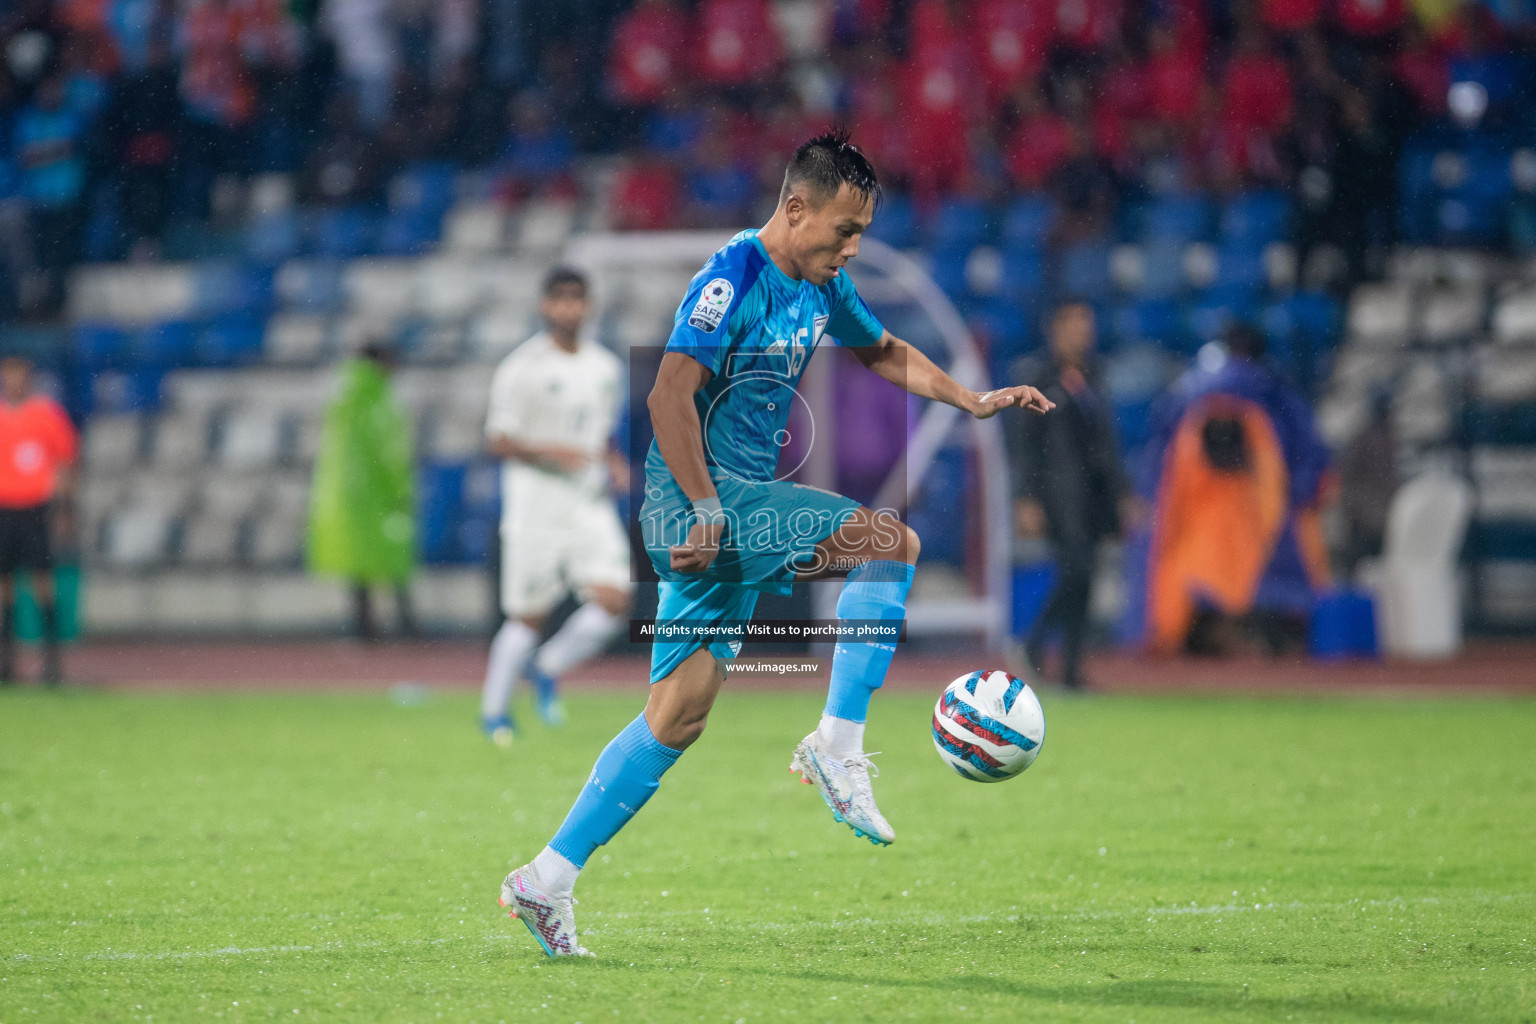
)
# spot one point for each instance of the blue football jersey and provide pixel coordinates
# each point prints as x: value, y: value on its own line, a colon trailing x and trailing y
x: 755, y: 329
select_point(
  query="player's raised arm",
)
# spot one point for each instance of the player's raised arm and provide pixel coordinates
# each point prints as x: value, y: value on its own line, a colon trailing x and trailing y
x: 906, y: 367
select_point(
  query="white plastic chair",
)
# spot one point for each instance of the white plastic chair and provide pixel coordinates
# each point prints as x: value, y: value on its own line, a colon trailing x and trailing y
x: 1420, y: 589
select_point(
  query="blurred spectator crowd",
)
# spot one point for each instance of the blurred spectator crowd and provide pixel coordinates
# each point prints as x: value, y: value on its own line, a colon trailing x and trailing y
x: 120, y: 120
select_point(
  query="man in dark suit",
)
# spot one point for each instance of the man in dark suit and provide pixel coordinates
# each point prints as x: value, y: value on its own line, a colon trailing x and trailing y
x: 1068, y: 483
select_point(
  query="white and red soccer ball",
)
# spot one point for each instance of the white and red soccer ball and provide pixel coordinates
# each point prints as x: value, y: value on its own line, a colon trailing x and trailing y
x: 988, y: 726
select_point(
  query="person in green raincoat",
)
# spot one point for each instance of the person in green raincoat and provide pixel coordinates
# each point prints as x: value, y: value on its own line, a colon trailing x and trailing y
x: 362, y: 524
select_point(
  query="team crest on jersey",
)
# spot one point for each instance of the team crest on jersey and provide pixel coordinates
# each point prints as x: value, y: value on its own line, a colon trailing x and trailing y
x: 709, y: 312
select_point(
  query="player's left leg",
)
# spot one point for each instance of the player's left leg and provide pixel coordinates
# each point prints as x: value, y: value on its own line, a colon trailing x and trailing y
x: 596, y: 562
x: 879, y: 554
x: 589, y: 630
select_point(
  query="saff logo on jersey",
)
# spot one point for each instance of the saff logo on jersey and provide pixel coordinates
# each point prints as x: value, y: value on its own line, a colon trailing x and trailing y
x: 709, y: 312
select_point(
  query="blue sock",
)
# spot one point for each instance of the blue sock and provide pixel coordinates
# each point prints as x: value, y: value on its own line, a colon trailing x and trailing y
x: 875, y: 590
x: 626, y: 774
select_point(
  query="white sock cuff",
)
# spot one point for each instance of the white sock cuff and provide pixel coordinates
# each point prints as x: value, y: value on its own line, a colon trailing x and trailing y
x: 555, y: 873
x: 842, y: 737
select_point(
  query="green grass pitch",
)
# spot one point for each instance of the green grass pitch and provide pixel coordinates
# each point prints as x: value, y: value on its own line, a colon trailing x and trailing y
x: 336, y: 857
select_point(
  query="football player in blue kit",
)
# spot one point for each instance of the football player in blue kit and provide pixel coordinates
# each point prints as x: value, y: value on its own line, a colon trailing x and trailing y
x: 720, y: 529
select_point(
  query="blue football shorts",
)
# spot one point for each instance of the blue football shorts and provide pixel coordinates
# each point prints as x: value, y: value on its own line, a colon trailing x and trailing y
x: 772, y: 530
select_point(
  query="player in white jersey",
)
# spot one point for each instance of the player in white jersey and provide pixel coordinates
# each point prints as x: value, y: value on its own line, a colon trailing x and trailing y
x: 554, y: 404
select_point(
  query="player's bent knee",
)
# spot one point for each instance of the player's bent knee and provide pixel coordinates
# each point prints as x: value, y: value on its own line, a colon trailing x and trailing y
x: 911, y: 545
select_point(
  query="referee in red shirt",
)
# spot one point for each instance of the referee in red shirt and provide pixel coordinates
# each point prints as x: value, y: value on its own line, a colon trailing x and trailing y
x: 38, y: 446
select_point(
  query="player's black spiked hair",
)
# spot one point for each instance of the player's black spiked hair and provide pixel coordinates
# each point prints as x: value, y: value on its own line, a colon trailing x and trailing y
x: 824, y: 163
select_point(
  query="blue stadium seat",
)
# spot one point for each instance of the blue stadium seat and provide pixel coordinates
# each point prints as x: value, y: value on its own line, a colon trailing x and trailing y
x: 274, y: 237
x: 426, y: 187
x: 1085, y: 270
x: 118, y: 391
x: 1152, y: 320
x: 232, y: 339
x: 895, y: 222
x: 1179, y: 218
x: 411, y: 232
x: 1218, y: 308
x: 166, y: 345
x: 314, y: 286
x: 1241, y: 265
x: 1027, y: 223
x: 100, y: 346
x: 1255, y: 218
x: 439, y: 503
x: 1004, y: 328
x: 939, y: 507
x: 959, y: 224
x: 1023, y: 276
x: 345, y: 232
x: 475, y: 535
x: 946, y: 265
x: 226, y: 286
x: 1162, y: 273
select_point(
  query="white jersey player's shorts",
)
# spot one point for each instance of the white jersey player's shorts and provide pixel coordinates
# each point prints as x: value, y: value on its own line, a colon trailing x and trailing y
x: 584, y: 546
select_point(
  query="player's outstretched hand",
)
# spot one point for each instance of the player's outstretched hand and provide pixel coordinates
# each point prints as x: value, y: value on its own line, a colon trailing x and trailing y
x: 699, y: 550
x: 1025, y: 397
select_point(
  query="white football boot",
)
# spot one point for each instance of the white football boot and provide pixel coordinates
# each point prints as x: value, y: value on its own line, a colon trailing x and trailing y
x: 551, y: 919
x: 844, y: 784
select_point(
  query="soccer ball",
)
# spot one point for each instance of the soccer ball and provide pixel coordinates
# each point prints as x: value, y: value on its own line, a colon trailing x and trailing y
x: 988, y: 726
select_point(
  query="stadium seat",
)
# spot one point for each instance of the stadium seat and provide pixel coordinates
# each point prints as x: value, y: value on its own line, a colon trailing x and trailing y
x: 475, y: 227
x: 250, y: 439
x: 1179, y: 219
x: 895, y: 223
x: 210, y: 540
x: 958, y: 225
x: 113, y: 443
x: 115, y: 392
x: 1027, y: 223
x: 99, y: 346
x: 181, y: 440
x: 427, y: 187
x: 1380, y: 314
x: 412, y: 232
x: 1157, y: 321
x: 297, y: 339
x: 386, y: 288
x: 1420, y: 595
x: 1162, y: 270
x: 544, y: 227
x: 233, y: 339
x: 165, y: 345
x: 136, y: 536
x: 439, y: 501
x: 277, y: 542
x: 345, y: 232
x: 228, y: 286
x: 1023, y: 272
x: 1451, y: 314
x: 1084, y: 270
x: 1514, y: 319
x: 311, y: 286
x: 1255, y: 218
x: 1241, y: 265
